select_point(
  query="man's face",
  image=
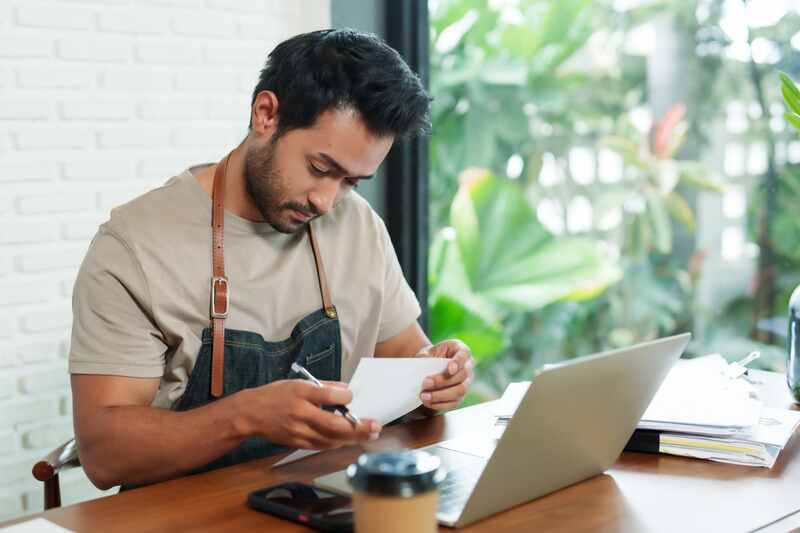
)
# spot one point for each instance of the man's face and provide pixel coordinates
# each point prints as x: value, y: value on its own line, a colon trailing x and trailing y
x: 306, y: 172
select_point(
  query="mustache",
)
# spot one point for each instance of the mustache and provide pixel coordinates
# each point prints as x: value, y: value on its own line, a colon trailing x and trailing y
x: 309, y: 210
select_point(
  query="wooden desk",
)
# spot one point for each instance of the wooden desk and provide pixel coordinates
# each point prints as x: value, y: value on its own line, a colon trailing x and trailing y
x: 642, y: 492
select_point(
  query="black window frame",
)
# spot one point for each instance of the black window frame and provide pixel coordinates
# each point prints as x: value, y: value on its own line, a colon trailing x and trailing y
x: 406, y: 193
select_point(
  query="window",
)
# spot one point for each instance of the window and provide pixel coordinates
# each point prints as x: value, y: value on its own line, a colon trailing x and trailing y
x: 608, y: 172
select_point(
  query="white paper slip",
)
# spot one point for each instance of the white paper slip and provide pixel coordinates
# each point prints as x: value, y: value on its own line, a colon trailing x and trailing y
x: 37, y: 525
x: 384, y: 389
x: 478, y: 445
x: 295, y: 456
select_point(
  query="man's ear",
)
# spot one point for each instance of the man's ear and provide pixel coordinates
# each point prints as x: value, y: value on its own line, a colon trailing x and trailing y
x: 264, y: 113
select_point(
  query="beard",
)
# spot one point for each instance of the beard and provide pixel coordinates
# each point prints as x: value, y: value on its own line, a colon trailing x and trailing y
x: 266, y: 185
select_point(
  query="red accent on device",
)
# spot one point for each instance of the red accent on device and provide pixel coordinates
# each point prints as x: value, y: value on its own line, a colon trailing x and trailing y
x: 302, y: 518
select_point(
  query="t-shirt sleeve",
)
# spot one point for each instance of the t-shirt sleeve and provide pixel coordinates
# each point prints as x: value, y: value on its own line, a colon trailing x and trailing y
x: 400, y: 307
x: 113, y: 330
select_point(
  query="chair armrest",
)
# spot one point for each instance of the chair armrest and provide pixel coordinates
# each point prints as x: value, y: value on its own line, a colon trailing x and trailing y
x: 65, y: 455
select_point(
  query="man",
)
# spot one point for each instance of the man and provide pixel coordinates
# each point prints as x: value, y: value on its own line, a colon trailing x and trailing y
x: 297, y: 267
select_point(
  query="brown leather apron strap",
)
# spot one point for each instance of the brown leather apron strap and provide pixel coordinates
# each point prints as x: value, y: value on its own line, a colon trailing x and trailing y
x: 220, y: 288
x: 327, y: 303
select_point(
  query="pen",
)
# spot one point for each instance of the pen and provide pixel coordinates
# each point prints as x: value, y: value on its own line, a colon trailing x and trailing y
x: 353, y: 419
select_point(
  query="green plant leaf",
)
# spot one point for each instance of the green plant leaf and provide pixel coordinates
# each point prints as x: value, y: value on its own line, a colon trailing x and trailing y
x: 510, y: 260
x: 568, y: 268
x: 680, y: 210
x: 452, y: 318
x: 792, y: 100
x: 641, y: 237
x: 657, y: 211
x: 533, y: 166
x: 793, y: 119
x: 520, y: 40
x: 790, y: 93
x: 693, y: 175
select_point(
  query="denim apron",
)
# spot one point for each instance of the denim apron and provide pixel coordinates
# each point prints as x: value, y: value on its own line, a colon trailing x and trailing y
x: 248, y: 360
x: 244, y: 359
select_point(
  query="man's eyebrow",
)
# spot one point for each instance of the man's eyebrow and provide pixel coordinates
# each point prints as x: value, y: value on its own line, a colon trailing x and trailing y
x: 339, y: 168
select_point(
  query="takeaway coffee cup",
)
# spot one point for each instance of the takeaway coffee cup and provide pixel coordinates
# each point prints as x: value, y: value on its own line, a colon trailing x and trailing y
x: 395, y: 491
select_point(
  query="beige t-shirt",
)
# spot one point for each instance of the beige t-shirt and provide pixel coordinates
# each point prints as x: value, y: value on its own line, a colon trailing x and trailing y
x: 141, y: 299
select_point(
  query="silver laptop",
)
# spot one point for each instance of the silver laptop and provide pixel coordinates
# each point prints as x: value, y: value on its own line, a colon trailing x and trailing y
x: 572, y: 424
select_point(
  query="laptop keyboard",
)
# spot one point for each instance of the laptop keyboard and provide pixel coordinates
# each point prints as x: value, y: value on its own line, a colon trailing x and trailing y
x: 463, y: 471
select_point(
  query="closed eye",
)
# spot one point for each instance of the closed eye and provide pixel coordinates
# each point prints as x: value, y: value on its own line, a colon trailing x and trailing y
x: 322, y: 172
x: 318, y: 171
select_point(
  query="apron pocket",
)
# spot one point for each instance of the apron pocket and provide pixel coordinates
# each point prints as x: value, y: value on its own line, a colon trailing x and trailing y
x: 321, y: 364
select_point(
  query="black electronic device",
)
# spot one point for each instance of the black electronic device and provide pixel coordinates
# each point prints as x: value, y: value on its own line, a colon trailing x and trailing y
x: 305, y: 504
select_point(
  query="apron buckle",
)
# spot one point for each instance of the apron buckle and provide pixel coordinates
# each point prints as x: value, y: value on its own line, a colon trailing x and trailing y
x: 330, y: 312
x: 221, y: 283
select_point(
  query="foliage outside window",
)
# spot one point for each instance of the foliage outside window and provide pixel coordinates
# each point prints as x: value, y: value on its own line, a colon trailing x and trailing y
x: 567, y: 219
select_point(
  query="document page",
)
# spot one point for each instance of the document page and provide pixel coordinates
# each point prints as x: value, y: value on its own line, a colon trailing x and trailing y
x: 697, y: 394
x: 384, y: 389
x: 37, y: 525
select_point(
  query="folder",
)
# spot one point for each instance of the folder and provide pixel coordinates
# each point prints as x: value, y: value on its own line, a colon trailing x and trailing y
x: 773, y: 431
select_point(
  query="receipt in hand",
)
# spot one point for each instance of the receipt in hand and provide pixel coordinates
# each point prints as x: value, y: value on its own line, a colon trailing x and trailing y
x: 384, y: 389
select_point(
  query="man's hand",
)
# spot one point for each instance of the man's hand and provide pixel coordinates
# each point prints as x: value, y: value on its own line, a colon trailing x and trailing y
x: 446, y: 390
x: 288, y: 412
x: 440, y: 391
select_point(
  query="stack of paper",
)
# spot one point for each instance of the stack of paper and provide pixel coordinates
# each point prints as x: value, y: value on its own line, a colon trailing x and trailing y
x: 774, y: 429
x: 697, y: 412
x: 696, y: 397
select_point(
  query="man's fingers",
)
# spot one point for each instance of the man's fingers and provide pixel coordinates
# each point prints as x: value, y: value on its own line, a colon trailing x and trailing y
x: 450, y: 394
x: 457, y: 352
x: 325, y: 395
x: 442, y: 406
x: 336, y: 427
x: 440, y: 381
x: 339, y: 384
x: 461, y: 360
x: 442, y: 349
x: 307, y: 437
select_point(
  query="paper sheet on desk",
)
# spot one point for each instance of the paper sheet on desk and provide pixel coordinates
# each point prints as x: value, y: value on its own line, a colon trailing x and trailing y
x: 384, y: 389
x: 696, y: 397
x: 507, y: 405
x: 37, y: 525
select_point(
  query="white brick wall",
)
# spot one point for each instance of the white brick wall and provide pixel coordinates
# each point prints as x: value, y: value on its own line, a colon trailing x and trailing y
x: 100, y: 100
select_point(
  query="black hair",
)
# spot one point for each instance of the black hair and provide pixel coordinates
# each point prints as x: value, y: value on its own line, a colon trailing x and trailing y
x: 317, y: 71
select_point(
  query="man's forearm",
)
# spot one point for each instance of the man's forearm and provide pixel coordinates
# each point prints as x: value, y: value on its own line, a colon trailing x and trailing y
x: 142, y: 444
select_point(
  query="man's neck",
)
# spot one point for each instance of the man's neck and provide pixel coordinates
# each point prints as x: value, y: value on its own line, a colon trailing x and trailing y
x: 237, y: 200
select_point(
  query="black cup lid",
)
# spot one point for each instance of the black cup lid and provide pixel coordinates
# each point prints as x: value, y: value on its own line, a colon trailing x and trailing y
x: 401, y: 473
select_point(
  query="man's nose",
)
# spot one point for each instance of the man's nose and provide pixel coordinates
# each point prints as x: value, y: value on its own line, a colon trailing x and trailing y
x: 323, y: 196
